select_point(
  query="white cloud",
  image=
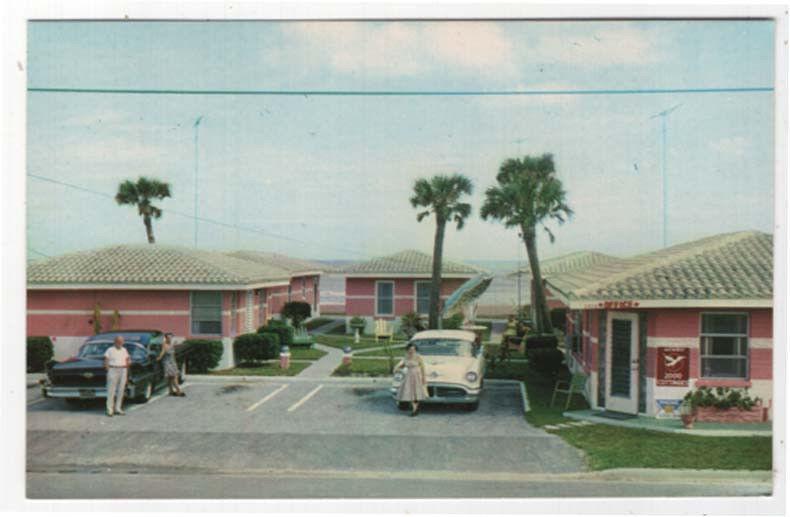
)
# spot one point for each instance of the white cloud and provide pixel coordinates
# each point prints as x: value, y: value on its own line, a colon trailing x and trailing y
x: 735, y: 145
x: 624, y: 45
x: 401, y: 49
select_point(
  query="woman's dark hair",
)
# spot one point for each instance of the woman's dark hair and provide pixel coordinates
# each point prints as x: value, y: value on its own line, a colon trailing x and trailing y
x: 411, y: 345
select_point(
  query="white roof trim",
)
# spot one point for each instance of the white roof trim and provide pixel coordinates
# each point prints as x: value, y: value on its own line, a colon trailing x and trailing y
x: 160, y: 287
x: 679, y: 303
x: 387, y: 276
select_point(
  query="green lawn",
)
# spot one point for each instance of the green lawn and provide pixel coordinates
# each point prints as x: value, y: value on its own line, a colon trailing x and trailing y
x: 271, y: 368
x: 609, y: 446
x: 307, y: 353
x: 364, y: 368
x: 398, y: 351
x: 341, y: 341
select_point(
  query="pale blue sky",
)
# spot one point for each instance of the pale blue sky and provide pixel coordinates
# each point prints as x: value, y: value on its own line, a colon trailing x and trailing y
x: 336, y: 172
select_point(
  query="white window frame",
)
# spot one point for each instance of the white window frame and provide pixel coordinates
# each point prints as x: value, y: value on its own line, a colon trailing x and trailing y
x: 376, y: 297
x: 417, y: 299
x: 191, y: 306
x: 704, y: 335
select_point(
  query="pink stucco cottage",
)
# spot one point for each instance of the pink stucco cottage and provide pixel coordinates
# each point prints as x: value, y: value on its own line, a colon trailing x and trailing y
x: 389, y: 287
x: 650, y: 328
x: 192, y: 293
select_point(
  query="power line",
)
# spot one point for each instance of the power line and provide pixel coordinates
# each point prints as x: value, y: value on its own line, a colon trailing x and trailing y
x: 203, y: 219
x: 402, y: 93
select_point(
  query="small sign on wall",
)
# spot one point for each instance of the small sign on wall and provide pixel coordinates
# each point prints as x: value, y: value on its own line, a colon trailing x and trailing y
x: 668, y: 408
x: 673, y: 366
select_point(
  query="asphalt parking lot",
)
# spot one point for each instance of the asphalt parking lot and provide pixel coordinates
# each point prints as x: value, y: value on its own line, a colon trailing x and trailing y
x: 233, y: 425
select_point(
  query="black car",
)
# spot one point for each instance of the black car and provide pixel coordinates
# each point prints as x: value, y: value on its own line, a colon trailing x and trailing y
x: 83, y: 376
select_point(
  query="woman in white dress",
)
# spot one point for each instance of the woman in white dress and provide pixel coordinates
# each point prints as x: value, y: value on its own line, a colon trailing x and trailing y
x: 414, y: 386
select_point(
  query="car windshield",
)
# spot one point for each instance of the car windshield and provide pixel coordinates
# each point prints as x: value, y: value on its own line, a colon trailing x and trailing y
x: 96, y: 349
x: 444, y: 346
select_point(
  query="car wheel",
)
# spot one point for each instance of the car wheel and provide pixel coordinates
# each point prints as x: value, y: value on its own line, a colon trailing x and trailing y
x: 472, y: 406
x: 403, y: 406
x: 146, y: 395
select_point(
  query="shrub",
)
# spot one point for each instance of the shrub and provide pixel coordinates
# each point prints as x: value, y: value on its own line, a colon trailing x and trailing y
x: 282, y: 329
x: 39, y: 352
x: 255, y: 347
x: 545, y: 360
x: 297, y: 312
x: 454, y: 322
x: 721, y: 398
x: 357, y: 322
x: 203, y: 354
x: 558, y: 318
x: 411, y: 323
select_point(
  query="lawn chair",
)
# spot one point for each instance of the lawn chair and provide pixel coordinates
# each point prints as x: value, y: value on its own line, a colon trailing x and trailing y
x: 302, y: 337
x: 576, y: 384
x: 383, y: 330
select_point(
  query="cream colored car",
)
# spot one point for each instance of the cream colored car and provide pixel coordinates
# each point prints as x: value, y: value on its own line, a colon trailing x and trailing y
x: 454, y: 366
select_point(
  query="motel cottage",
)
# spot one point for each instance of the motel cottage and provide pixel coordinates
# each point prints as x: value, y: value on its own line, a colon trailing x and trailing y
x: 192, y: 293
x: 389, y: 287
x: 648, y: 329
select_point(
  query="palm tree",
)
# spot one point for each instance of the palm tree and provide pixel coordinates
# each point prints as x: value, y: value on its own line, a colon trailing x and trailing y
x: 441, y: 196
x: 528, y: 193
x: 141, y: 193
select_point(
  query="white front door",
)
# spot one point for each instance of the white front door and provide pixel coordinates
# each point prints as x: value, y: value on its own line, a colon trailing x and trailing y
x: 622, y: 362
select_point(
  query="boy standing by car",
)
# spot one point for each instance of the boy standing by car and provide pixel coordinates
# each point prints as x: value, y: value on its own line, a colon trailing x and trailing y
x: 116, y: 363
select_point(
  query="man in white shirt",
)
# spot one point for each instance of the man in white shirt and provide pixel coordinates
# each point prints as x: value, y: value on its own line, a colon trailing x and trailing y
x: 116, y: 363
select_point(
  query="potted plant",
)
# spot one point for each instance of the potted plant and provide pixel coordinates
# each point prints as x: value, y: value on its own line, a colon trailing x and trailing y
x: 357, y: 324
x: 724, y: 404
x: 687, y: 414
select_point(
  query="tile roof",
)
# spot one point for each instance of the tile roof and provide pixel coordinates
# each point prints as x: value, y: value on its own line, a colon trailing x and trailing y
x: 151, y: 264
x: 578, y: 260
x: 291, y: 264
x: 726, y: 266
x: 409, y: 262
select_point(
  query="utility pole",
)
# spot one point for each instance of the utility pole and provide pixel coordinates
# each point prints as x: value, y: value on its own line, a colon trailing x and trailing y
x: 663, y: 115
x: 197, y: 128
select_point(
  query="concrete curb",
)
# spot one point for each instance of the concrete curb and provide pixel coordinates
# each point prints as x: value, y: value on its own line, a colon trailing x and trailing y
x: 695, y: 432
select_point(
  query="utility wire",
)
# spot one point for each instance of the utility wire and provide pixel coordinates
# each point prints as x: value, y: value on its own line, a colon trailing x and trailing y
x: 202, y: 219
x: 402, y: 93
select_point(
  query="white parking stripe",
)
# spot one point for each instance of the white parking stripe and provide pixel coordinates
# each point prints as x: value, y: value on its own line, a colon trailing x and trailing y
x: 36, y: 401
x: 153, y: 399
x: 267, y: 397
x: 305, y: 398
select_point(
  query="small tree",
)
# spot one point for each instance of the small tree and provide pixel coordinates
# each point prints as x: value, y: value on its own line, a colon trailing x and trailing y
x: 140, y: 194
x: 297, y: 312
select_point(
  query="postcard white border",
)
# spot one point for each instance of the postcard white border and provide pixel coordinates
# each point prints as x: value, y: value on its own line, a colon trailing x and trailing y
x: 12, y: 297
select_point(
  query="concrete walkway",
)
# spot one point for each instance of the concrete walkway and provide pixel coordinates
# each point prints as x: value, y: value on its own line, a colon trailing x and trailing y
x: 323, y: 329
x: 324, y: 366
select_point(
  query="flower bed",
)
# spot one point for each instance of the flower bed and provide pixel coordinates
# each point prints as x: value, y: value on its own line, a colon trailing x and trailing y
x: 732, y: 415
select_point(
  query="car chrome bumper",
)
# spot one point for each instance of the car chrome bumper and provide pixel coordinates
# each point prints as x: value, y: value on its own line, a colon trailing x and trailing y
x: 446, y: 393
x: 87, y: 393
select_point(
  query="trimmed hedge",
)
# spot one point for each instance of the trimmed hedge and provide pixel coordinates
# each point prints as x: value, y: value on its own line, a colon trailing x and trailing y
x: 285, y: 331
x: 203, y: 354
x: 255, y: 347
x: 297, y: 312
x: 39, y: 353
x: 546, y: 360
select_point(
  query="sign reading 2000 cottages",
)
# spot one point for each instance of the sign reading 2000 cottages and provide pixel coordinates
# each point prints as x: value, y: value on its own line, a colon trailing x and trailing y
x: 673, y: 366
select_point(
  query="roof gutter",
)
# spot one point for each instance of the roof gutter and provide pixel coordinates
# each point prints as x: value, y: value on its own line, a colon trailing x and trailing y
x: 161, y: 287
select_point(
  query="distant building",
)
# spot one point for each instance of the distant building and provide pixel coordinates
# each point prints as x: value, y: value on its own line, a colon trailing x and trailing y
x: 389, y: 287
x: 650, y: 328
x: 192, y: 293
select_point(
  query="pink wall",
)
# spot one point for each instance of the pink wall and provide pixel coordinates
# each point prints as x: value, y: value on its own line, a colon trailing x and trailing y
x: 361, y: 292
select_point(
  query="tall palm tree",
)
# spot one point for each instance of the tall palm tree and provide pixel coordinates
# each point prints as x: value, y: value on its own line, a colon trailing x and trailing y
x: 441, y: 196
x: 141, y: 193
x: 528, y: 193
